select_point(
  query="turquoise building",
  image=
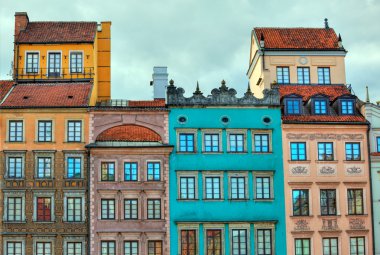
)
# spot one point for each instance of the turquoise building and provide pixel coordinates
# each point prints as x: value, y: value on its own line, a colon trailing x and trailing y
x: 226, y: 173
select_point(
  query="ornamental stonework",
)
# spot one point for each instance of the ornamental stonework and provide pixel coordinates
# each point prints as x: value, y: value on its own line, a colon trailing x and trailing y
x: 354, y: 170
x: 327, y: 170
x: 357, y: 224
x: 302, y: 225
x: 318, y: 136
x: 330, y: 225
x: 299, y: 170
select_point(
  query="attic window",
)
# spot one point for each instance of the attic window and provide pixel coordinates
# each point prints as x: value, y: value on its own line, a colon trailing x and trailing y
x: 320, y: 106
x: 25, y: 97
x: 293, y: 106
x: 347, y: 106
x: 70, y: 97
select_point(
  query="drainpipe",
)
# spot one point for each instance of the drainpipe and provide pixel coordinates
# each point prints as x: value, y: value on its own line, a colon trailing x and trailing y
x: 88, y: 202
x: 370, y: 184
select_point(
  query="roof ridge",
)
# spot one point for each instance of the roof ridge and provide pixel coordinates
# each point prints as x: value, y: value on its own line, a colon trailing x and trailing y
x: 321, y: 28
x: 33, y: 22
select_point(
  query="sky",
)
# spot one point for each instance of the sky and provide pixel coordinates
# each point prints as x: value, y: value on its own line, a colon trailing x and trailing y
x: 203, y: 40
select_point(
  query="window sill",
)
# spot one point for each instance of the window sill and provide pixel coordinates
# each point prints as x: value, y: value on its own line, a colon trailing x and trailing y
x: 14, y: 178
x: 353, y: 161
x: 45, y: 222
x: 187, y: 152
x: 329, y: 216
x: 14, y: 222
x: 187, y: 200
x: 10, y: 142
x: 73, y: 179
x: 74, y: 142
x: 237, y: 152
x: 258, y: 152
x: 264, y: 199
x: 299, y: 161
x: 301, y: 216
x: 356, y: 215
x: 238, y: 199
x: 213, y: 200
x: 40, y: 142
x: 326, y: 161
x: 74, y: 222
x: 211, y: 152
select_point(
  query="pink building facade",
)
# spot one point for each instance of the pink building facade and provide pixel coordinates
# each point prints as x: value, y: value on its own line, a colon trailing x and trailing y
x: 129, y: 180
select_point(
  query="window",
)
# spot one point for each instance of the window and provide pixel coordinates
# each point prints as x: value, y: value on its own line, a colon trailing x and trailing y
x: 263, y: 188
x: 54, y: 64
x: 131, y: 211
x: 14, y: 209
x: 108, y: 248
x: 108, y: 209
x: 239, y: 242
x: 14, y: 248
x: 303, y: 74
x: 293, y: 106
x: 154, y: 171
x: 32, y: 62
x: 320, y: 106
x: 187, y: 187
x: 357, y: 245
x: 108, y: 171
x: 130, y: 171
x: 323, y: 75
x: 74, y: 167
x: 44, y: 209
x: 302, y: 246
x: 264, y: 242
x: 44, y: 167
x: 154, y: 247
x: 236, y: 142
x: 298, y: 151
x: 378, y: 143
x: 212, y: 187
x: 16, y: 132
x: 283, y: 75
x: 353, y: 151
x: 131, y: 248
x: 74, y: 131
x: 211, y: 142
x: 238, y: 188
x: 74, y: 209
x: 186, y: 142
x: 15, y: 167
x: 44, y: 131
x: 330, y: 246
x: 355, y: 201
x: 43, y: 248
x: 347, y: 107
x: 188, y: 242
x: 74, y: 248
x: 214, y: 241
x: 261, y: 142
x: 325, y: 151
x: 154, y: 209
x: 76, y: 62
x: 328, y: 202
x: 300, y: 202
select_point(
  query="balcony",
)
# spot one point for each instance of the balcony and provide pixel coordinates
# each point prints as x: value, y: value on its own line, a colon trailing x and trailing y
x: 53, y: 74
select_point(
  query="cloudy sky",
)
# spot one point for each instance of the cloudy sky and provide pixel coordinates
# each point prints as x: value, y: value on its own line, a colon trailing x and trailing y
x: 203, y: 40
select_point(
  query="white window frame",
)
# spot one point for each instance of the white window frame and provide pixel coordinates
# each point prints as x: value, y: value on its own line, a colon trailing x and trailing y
x: 270, y: 175
x: 14, y: 154
x: 14, y: 193
x: 74, y: 239
x: 193, y: 174
x: 14, y: 239
x: 262, y: 132
x: 212, y: 132
x: 46, y: 193
x: 237, y: 132
x: 76, y: 51
x: 246, y: 188
x: 187, y: 131
x: 74, y: 194
x: 221, y: 184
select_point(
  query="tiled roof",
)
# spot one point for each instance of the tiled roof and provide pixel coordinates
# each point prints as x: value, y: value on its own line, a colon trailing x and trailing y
x: 147, y: 103
x: 298, y: 38
x: 5, y: 86
x: 129, y: 133
x: 58, y: 32
x: 48, y: 95
x: 307, y: 91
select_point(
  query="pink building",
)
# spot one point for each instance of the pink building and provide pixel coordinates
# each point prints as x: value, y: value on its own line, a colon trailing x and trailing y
x: 129, y: 178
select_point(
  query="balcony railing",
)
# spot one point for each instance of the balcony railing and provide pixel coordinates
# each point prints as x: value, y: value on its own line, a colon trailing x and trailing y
x: 56, y: 74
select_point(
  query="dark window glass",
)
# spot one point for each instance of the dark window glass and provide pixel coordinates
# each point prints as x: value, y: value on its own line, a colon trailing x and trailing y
x: 32, y: 62
x: 74, y: 209
x: 130, y: 171
x: 324, y: 75
x: 211, y: 142
x: 293, y: 106
x: 154, y: 209
x: 263, y: 188
x: 131, y: 211
x: 298, y: 151
x: 283, y: 75
x: 187, y: 187
x: 261, y: 143
x: 108, y: 209
x: 44, y: 209
x: 44, y: 167
x: 347, y: 107
x: 55, y: 64
x: 239, y: 242
x: 300, y: 202
x: 238, y: 188
x: 188, y: 242
x: 303, y: 74
x: 355, y: 201
x: 236, y: 142
x: 154, y: 171
x: 74, y: 167
x: 212, y: 186
x: 353, y: 151
x: 214, y: 241
x: 131, y: 248
x: 328, y: 201
x: 264, y: 242
x: 76, y: 62
x: 108, y: 248
x: 357, y: 245
x: 16, y: 131
x: 320, y: 106
x: 330, y: 246
x: 74, y: 131
x: 325, y: 151
x: 108, y: 171
x: 14, y: 209
x: 186, y: 142
x: 44, y: 131
x: 302, y: 246
x: 15, y: 167
x: 155, y: 248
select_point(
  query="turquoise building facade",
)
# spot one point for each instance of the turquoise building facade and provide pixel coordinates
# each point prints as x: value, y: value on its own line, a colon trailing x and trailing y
x: 226, y: 173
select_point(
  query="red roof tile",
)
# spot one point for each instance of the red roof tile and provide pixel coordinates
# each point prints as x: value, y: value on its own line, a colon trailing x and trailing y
x: 49, y: 95
x: 58, y: 32
x: 298, y: 38
x: 147, y: 103
x: 323, y: 118
x: 129, y: 133
x: 307, y: 91
x: 375, y: 153
x: 5, y: 86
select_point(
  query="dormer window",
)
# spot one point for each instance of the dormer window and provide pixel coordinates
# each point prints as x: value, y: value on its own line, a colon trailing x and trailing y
x: 320, y: 106
x: 347, y: 106
x: 293, y: 106
x: 283, y: 75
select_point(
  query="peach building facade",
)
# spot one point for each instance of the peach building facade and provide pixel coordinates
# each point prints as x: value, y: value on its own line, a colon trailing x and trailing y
x: 129, y: 192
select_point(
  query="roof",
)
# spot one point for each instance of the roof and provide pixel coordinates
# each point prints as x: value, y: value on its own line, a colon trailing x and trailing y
x: 58, y: 32
x: 307, y: 91
x: 5, y: 86
x: 147, y: 103
x: 323, y: 118
x: 48, y: 95
x: 298, y: 38
x: 129, y: 133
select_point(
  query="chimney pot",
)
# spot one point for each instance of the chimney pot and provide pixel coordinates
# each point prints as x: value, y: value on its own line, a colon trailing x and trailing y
x: 327, y: 23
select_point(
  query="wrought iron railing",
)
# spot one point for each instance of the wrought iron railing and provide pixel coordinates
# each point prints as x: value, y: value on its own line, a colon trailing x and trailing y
x: 87, y: 73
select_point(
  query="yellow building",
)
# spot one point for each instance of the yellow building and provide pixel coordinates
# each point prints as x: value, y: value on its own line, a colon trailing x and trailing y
x: 63, y: 52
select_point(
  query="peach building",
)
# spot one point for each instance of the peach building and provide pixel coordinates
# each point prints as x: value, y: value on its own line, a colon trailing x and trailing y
x: 129, y: 190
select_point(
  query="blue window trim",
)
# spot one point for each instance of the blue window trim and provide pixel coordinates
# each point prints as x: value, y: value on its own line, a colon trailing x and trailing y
x: 315, y: 100
x: 342, y: 112
x: 296, y: 99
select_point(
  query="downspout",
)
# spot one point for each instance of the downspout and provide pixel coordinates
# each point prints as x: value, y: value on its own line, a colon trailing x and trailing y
x: 370, y: 184
x: 88, y: 203
x: 17, y: 57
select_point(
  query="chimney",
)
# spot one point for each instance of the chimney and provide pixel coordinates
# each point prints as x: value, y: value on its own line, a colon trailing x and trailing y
x: 340, y: 44
x: 262, y: 41
x: 327, y: 23
x: 160, y: 81
x: 21, y: 22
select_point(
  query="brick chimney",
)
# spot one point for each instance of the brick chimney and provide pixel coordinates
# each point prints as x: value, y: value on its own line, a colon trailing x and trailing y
x: 21, y: 21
